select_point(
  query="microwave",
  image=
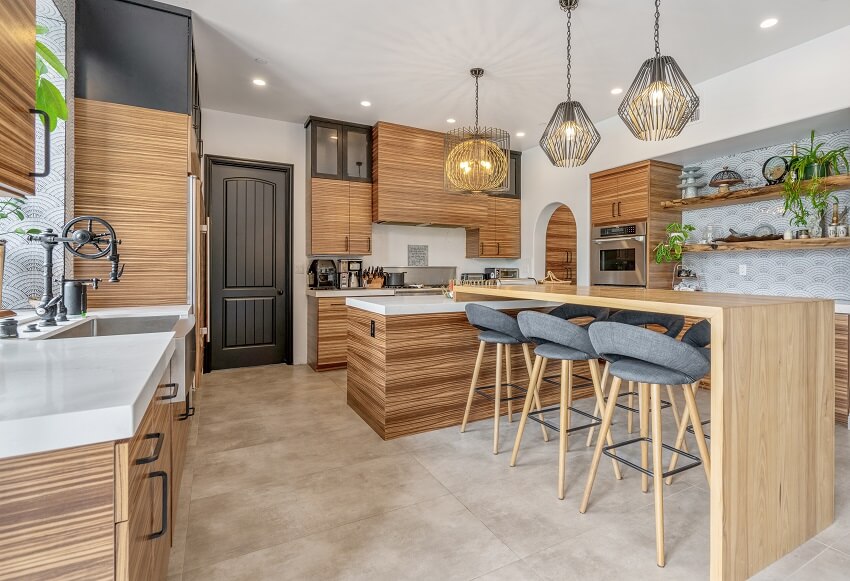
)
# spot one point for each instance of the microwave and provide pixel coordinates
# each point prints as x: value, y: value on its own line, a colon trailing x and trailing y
x: 497, y: 273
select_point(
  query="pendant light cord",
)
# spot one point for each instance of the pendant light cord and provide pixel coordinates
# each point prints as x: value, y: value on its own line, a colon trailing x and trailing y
x: 569, y: 53
x: 657, y: 19
x: 476, y: 104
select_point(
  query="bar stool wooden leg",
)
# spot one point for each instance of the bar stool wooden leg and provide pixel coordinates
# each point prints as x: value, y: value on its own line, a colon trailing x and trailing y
x: 497, y: 396
x: 508, y: 380
x: 537, y: 406
x: 566, y: 378
x: 600, y: 404
x: 680, y: 437
x: 676, y: 416
x: 604, y: 431
x: 631, y: 404
x: 529, y: 397
x: 643, y: 396
x: 698, y: 432
x: 473, y: 385
x: 657, y: 474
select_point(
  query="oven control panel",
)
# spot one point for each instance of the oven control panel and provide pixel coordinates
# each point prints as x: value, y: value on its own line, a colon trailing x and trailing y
x: 619, y: 231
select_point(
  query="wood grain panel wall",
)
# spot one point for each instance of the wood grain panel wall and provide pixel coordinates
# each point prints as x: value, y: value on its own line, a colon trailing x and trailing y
x: 663, y: 178
x: 414, y: 375
x: 17, y: 87
x: 56, y: 515
x: 842, y: 380
x: 326, y: 333
x: 561, y: 240
x: 131, y: 170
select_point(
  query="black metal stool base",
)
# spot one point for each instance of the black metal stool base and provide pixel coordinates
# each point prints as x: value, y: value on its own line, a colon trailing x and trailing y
x: 690, y: 429
x: 532, y: 415
x: 607, y: 451
x: 664, y: 403
x: 556, y: 380
x: 482, y: 391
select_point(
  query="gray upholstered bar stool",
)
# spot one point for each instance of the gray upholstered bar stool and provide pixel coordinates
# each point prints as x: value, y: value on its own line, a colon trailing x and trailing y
x: 571, y: 312
x: 653, y: 359
x: 502, y: 330
x: 672, y: 325
x: 559, y: 340
x: 699, y: 335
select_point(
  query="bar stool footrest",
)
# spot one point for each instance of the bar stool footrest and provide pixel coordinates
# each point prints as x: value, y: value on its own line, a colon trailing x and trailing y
x: 664, y: 403
x: 492, y: 396
x: 690, y: 429
x: 556, y: 380
x: 607, y: 450
x: 596, y: 421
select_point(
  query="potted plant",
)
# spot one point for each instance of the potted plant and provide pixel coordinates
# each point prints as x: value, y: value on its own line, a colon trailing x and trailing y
x: 48, y: 97
x: 670, y: 249
x: 805, y: 170
x: 11, y: 212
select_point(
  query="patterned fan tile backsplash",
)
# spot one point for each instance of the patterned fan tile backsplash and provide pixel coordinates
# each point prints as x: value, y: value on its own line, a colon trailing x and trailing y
x: 806, y: 273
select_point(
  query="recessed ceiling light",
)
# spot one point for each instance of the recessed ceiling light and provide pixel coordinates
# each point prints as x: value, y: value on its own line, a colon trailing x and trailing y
x: 451, y: 120
x: 261, y: 61
x: 770, y: 22
x: 366, y: 103
x: 616, y: 91
x: 520, y: 133
x: 259, y: 82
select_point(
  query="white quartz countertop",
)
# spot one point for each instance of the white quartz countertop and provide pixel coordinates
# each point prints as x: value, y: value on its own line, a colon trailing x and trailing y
x: 420, y: 305
x: 351, y: 292
x: 73, y: 392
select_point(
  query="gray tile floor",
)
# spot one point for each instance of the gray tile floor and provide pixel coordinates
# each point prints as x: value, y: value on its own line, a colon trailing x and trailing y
x: 284, y: 481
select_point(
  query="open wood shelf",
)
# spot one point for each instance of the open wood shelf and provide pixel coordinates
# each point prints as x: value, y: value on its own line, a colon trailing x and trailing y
x: 830, y: 183
x: 805, y: 243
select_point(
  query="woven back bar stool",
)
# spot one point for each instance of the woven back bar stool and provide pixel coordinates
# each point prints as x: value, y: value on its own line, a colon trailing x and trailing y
x: 651, y: 360
x: 500, y: 329
x: 672, y: 325
x: 559, y: 340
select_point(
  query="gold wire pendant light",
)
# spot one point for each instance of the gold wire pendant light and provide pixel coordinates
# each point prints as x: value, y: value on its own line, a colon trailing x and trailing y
x: 570, y: 137
x: 660, y: 101
x: 476, y: 158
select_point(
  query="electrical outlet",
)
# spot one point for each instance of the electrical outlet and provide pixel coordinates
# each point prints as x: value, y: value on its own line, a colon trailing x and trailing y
x: 742, y: 269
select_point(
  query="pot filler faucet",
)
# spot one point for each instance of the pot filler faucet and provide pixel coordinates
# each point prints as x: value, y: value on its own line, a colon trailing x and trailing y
x: 96, y: 240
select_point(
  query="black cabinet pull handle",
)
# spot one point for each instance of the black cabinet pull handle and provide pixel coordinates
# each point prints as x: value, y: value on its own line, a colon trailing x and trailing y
x: 160, y: 438
x: 619, y: 211
x: 46, y: 119
x: 369, y: 239
x: 613, y: 205
x: 482, y: 248
x: 164, y: 476
x: 498, y: 248
x: 174, y: 386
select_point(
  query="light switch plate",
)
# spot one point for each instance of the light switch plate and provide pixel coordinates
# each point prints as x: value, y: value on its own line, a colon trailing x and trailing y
x: 742, y: 269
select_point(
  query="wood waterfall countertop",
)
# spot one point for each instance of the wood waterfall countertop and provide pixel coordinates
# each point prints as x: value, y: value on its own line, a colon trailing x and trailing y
x: 772, y: 410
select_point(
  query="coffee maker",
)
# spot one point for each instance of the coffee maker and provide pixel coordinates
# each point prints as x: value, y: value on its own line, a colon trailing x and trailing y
x: 350, y: 274
x: 322, y: 274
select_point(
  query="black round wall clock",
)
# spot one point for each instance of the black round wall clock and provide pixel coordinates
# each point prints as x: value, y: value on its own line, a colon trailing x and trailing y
x: 775, y: 169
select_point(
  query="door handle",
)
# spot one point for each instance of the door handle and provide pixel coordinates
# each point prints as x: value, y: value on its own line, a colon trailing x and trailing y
x: 481, y: 252
x: 499, y: 248
x: 174, y: 386
x: 369, y: 241
x: 278, y: 291
x: 46, y: 119
x: 346, y: 244
x: 613, y: 206
x: 619, y: 212
x: 164, y: 517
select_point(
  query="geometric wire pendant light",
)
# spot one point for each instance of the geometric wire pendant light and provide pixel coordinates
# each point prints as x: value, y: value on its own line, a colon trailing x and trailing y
x: 570, y: 137
x: 660, y: 101
x: 476, y: 158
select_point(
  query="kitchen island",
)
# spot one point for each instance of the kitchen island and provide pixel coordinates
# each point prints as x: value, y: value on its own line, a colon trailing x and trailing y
x: 410, y: 363
x: 772, y: 408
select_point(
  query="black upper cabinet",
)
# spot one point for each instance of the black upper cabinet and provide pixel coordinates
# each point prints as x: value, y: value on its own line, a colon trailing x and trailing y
x: 515, y: 180
x: 136, y: 52
x: 339, y: 150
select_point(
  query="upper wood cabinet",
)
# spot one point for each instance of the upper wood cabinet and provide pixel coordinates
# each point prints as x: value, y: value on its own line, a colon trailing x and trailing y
x: 17, y: 97
x: 339, y: 150
x: 340, y: 219
x: 498, y: 234
x: 620, y: 195
x: 408, y: 185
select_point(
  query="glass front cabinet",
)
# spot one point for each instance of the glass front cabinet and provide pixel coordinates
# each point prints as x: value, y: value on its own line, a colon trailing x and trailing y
x: 339, y: 150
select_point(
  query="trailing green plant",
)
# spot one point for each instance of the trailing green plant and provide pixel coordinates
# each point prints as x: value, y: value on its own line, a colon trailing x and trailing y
x: 670, y: 249
x: 814, y: 163
x: 11, y: 211
x: 48, y: 97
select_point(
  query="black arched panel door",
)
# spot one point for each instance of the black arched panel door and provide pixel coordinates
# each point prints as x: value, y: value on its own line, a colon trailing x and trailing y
x: 250, y: 266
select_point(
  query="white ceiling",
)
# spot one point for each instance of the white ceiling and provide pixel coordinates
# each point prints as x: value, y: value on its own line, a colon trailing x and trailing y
x: 411, y: 59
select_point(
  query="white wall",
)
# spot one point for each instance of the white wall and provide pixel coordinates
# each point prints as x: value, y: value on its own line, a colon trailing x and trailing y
x: 254, y: 138
x: 755, y: 97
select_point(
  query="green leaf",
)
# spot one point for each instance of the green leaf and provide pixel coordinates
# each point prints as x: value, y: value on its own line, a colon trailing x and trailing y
x: 41, y: 29
x: 19, y: 214
x: 51, y: 59
x: 40, y: 67
x: 49, y: 99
